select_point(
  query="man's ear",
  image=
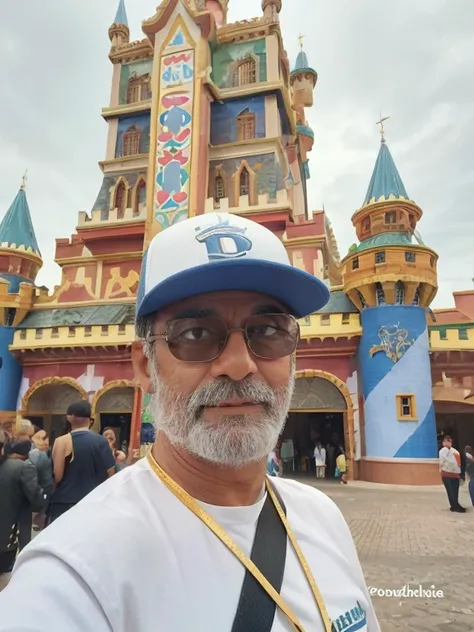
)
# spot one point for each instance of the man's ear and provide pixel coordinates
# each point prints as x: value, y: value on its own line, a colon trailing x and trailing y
x: 142, y: 367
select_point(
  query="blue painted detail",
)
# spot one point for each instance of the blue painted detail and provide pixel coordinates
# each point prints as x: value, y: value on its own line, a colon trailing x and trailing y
x: 385, y: 180
x: 224, y: 117
x: 10, y: 373
x: 306, y: 171
x: 397, y: 365
x: 375, y: 320
x: 121, y: 16
x: 14, y: 282
x: 16, y: 227
x: 304, y: 130
x: 223, y: 241
x: 178, y: 39
x: 423, y: 442
x: 142, y: 283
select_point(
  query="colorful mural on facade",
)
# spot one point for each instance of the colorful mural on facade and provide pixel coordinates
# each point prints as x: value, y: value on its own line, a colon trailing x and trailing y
x: 226, y: 58
x: 135, y: 81
x: 225, y: 118
x: 174, y: 132
x: 137, y: 129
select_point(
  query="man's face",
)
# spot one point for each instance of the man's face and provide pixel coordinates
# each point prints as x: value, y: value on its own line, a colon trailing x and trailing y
x: 230, y: 410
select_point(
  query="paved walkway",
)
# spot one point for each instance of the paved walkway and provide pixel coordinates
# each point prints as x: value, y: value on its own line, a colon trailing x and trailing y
x: 409, y: 537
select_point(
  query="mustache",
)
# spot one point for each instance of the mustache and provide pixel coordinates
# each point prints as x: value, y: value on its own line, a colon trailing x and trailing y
x: 219, y: 390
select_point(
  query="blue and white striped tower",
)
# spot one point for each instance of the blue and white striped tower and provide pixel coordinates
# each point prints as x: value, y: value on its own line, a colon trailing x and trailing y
x: 391, y: 276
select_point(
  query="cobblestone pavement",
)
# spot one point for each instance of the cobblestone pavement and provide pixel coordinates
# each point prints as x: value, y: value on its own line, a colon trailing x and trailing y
x: 409, y: 536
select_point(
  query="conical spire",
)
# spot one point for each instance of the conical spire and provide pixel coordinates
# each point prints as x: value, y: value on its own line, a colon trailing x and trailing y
x: 121, y: 17
x: 385, y: 180
x: 302, y: 63
x: 16, y: 228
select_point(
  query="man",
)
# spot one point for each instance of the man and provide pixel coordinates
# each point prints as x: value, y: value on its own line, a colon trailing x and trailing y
x: 82, y: 460
x: 20, y: 494
x: 165, y: 545
x: 320, y: 460
x: 450, y: 470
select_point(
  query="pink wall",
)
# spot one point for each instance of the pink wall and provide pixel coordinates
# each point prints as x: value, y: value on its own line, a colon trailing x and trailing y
x: 338, y: 366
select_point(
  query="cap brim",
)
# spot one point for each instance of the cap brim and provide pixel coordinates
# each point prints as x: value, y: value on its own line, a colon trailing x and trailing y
x: 301, y: 292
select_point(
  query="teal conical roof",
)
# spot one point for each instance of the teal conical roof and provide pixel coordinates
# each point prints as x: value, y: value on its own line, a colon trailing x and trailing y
x: 302, y: 65
x: 385, y: 180
x: 121, y: 17
x: 16, y: 228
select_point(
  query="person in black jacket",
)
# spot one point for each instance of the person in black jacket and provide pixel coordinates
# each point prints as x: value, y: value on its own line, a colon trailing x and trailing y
x: 20, y: 494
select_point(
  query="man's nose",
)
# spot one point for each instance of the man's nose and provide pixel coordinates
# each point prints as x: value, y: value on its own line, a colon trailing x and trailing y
x: 236, y: 360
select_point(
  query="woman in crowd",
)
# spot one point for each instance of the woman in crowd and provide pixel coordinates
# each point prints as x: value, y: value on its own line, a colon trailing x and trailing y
x: 41, y: 459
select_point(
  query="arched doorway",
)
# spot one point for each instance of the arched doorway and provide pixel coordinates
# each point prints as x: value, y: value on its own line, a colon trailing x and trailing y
x: 112, y: 408
x: 321, y: 410
x: 46, y: 402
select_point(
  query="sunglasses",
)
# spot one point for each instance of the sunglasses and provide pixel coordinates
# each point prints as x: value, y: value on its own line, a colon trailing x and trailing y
x: 268, y: 336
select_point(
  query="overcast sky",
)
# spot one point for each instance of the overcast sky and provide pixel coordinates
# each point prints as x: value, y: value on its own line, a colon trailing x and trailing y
x: 414, y: 61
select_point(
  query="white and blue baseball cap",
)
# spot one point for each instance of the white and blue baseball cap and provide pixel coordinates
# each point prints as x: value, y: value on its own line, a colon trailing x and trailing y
x: 221, y: 251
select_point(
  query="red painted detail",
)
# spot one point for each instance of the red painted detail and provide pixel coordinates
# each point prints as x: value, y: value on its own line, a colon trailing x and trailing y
x: 162, y: 196
x: 180, y: 196
x: 174, y: 99
x: 176, y: 59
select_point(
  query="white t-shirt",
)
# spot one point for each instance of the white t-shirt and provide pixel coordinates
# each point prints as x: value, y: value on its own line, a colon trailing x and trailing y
x: 132, y: 558
x: 320, y: 456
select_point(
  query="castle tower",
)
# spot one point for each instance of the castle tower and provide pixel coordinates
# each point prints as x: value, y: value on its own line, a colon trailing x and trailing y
x: 391, y: 277
x: 20, y: 262
x: 271, y: 9
x: 119, y: 32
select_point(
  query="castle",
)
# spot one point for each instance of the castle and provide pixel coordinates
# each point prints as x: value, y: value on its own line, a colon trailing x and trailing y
x: 205, y: 115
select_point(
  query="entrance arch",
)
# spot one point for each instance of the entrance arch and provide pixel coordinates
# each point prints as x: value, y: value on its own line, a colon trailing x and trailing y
x: 45, y: 403
x: 320, y: 393
x: 112, y: 407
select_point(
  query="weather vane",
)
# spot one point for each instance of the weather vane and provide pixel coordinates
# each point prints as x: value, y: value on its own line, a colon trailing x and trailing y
x: 300, y: 39
x: 24, y: 179
x: 381, y: 122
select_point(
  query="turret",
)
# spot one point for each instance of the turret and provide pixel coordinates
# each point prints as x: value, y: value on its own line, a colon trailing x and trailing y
x: 271, y: 9
x: 303, y: 81
x: 218, y: 8
x: 20, y: 261
x: 119, y: 32
x: 391, y: 277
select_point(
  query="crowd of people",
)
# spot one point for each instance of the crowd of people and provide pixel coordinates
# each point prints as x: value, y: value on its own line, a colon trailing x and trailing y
x: 41, y: 479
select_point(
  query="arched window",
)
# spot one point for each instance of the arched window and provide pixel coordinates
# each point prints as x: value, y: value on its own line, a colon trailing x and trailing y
x: 220, y: 189
x: 131, y: 141
x: 399, y: 293
x: 380, y: 294
x: 245, y: 73
x: 140, y: 197
x: 366, y: 224
x: 138, y: 89
x: 391, y: 217
x: 246, y: 125
x: 244, y: 183
x: 121, y: 199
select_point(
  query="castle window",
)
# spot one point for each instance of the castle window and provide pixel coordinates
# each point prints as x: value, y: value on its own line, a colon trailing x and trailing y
x: 55, y: 332
x: 38, y: 334
x: 10, y: 313
x: 432, y: 262
x: 138, y: 89
x: 244, y: 183
x: 220, y: 189
x: 443, y: 334
x: 88, y: 331
x: 463, y: 334
x: 416, y: 298
x: 122, y: 330
x: 346, y: 319
x: 245, y: 73
x: 140, y: 197
x: 366, y: 224
x: 23, y: 334
x: 406, y: 408
x: 131, y: 141
x: 380, y: 294
x: 71, y: 332
x: 380, y: 257
x: 391, y: 217
x: 246, y: 126
x: 355, y: 263
x: 326, y: 319
x: 121, y: 199
x: 410, y: 257
x: 399, y: 293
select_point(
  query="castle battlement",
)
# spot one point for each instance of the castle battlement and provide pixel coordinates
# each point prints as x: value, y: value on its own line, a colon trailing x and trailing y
x: 263, y: 203
x: 98, y: 217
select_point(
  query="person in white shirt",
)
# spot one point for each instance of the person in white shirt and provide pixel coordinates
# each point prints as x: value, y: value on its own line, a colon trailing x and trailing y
x: 320, y: 460
x: 185, y: 539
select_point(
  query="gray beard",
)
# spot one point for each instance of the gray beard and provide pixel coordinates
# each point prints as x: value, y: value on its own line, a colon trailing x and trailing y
x: 232, y: 441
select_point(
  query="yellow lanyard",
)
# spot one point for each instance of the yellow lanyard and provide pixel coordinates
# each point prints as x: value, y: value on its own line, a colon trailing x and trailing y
x: 209, y: 521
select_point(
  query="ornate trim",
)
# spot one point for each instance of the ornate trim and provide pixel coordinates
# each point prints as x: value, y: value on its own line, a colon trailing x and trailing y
x: 108, y: 387
x: 46, y: 381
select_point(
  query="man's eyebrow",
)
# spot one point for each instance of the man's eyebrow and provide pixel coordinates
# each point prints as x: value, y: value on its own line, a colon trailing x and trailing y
x: 194, y: 312
x: 269, y: 309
